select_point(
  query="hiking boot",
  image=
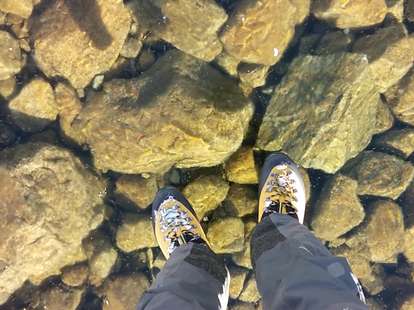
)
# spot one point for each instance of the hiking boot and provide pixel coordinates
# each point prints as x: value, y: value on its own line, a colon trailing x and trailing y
x: 174, y: 221
x: 281, y: 188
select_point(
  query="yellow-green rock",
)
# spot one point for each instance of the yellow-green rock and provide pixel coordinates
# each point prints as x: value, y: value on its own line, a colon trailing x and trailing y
x: 226, y: 235
x: 241, y: 167
x: 241, y: 200
x: 135, y: 233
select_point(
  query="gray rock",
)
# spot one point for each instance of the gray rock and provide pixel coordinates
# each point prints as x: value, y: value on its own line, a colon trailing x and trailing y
x: 34, y: 107
x: 338, y: 208
x: 10, y: 56
x: 50, y: 203
x: 380, y: 174
x: 180, y: 112
x: 323, y: 112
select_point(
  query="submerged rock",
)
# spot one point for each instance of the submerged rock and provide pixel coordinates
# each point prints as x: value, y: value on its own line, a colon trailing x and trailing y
x: 350, y: 14
x: 241, y: 167
x: 34, y: 107
x: 401, y: 99
x: 79, y: 39
x: 75, y: 275
x: 238, y: 276
x: 338, y: 208
x: 135, y: 233
x: 324, y: 111
x: 380, y: 174
x: 123, y: 292
x: 57, y: 298
x: 22, y: 8
x: 242, y: 200
x: 101, y: 257
x: 206, y: 193
x: 260, y: 31
x: 40, y: 233
x: 390, y: 54
x: 242, y: 306
x: 7, y: 87
x: 189, y: 25
x: 226, y: 235
x: 399, y: 141
x: 136, y: 190
x: 7, y: 135
x: 250, y: 292
x: 409, y: 244
x: 243, y: 257
x: 10, y: 56
x: 180, y: 112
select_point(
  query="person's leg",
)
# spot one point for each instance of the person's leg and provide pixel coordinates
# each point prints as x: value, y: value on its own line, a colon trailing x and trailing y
x: 193, y: 277
x: 293, y: 269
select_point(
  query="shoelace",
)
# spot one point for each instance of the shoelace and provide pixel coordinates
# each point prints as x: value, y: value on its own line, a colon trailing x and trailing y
x: 282, y: 192
x: 177, y: 226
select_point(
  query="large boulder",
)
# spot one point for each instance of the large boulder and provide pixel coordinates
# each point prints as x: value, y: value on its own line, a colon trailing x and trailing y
x: 350, y: 14
x: 180, y: 112
x: 324, y: 111
x: 390, y: 54
x: 79, y: 39
x: 10, y: 56
x: 338, y: 208
x: 50, y: 202
x: 380, y: 174
x: 190, y: 25
x: 260, y: 31
x: 34, y: 107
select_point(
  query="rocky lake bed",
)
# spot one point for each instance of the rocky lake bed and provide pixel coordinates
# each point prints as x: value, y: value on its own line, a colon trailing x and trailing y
x: 103, y: 102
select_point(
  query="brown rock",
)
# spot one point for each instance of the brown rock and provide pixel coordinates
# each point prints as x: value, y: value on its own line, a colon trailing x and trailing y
x: 390, y: 181
x: 409, y: 244
x: 69, y: 106
x: 350, y: 14
x: 203, y: 119
x: 260, y: 31
x: 22, y: 8
x: 189, y: 25
x: 131, y: 48
x: 241, y: 200
x: 242, y: 306
x: 333, y: 42
x: 35, y: 106
x: 241, y: 167
x: 50, y: 203
x: 390, y: 54
x: 252, y: 75
x: 250, y: 292
x: 238, y: 276
x: 243, y: 258
x: 408, y: 303
x: 206, y: 193
x: 228, y: 63
x: 75, y: 275
x: 338, y: 208
x: 317, y: 115
x: 7, y: 87
x: 10, y: 56
x: 57, y: 298
x: 101, y: 257
x: 123, y: 292
x: 399, y: 141
x: 226, y: 235
x: 78, y: 39
x: 401, y: 99
x: 137, y: 190
x: 135, y: 233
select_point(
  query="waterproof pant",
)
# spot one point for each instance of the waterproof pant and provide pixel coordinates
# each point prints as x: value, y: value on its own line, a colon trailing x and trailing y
x: 293, y: 271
